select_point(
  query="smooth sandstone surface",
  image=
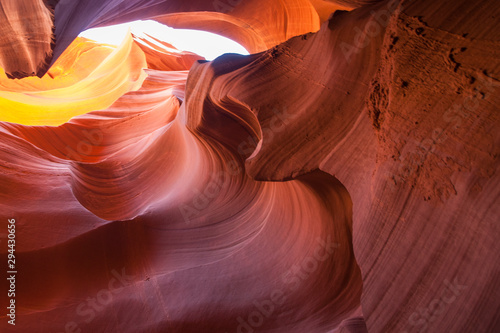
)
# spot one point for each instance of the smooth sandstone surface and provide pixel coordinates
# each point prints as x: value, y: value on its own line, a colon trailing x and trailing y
x: 341, y: 178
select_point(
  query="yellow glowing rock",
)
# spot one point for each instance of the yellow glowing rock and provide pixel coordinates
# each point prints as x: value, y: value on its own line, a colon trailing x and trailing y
x: 87, y: 77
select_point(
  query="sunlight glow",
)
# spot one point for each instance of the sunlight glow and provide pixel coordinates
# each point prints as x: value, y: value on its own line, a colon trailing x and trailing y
x: 203, y: 43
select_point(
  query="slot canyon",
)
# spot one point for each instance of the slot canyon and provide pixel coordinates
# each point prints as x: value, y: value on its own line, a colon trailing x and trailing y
x: 341, y: 178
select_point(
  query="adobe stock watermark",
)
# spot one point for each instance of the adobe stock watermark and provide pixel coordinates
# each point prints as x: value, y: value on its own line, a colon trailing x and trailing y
x: 276, y: 124
x: 204, y: 197
x: 225, y: 6
x: 11, y: 270
x: 85, y: 147
x: 421, y: 318
x: 87, y: 310
x: 372, y: 29
x: 292, y: 279
x: 455, y: 116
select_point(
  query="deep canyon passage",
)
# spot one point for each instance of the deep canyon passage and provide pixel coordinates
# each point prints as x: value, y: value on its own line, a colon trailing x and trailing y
x: 342, y: 177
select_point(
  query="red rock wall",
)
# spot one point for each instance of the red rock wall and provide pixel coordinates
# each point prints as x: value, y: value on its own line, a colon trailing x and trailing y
x: 342, y: 180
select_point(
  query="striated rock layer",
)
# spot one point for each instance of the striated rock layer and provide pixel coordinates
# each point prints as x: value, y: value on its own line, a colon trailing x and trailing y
x: 27, y: 37
x: 342, y: 180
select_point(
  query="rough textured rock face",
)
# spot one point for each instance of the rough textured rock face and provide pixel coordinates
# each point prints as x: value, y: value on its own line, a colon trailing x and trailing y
x: 341, y: 178
x: 27, y: 37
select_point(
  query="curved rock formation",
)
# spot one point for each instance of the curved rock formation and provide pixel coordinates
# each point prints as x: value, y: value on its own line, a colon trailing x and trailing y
x: 164, y: 56
x: 188, y: 182
x: 27, y: 37
x: 90, y: 77
x: 338, y: 179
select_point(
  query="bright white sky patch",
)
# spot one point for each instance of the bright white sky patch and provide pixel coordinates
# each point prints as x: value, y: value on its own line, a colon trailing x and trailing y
x: 203, y: 43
